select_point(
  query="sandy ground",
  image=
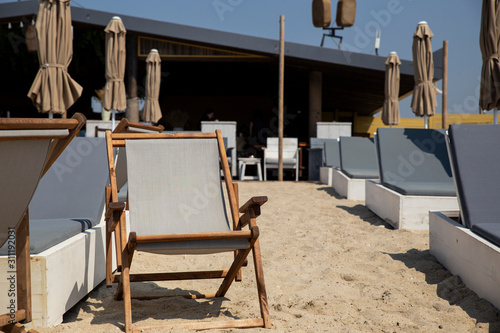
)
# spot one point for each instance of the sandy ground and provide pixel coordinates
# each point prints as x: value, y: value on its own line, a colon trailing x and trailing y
x: 330, y: 265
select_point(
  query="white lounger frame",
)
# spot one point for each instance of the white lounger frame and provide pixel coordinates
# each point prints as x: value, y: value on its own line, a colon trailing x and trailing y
x: 404, y: 211
x: 326, y: 175
x: 466, y: 254
x: 62, y: 275
x: 350, y: 188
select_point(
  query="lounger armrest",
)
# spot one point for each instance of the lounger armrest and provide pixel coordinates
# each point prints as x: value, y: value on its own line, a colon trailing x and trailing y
x: 254, y: 201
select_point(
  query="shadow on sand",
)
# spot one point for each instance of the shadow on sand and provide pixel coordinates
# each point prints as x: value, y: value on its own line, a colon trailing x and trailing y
x: 450, y: 287
x: 106, y: 310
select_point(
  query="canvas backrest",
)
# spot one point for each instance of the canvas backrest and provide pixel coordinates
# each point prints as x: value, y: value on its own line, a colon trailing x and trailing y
x: 74, y: 185
x: 413, y: 155
x: 357, y: 153
x: 175, y: 186
x: 290, y: 146
x: 21, y: 168
x: 475, y: 158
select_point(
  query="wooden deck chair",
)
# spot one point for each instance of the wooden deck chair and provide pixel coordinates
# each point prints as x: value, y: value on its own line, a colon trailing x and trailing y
x: 177, y: 207
x: 28, y: 148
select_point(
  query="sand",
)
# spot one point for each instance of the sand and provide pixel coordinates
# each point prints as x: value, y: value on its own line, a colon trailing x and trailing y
x: 330, y: 265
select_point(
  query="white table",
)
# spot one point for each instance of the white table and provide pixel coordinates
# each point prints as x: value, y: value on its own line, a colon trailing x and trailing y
x: 242, y: 164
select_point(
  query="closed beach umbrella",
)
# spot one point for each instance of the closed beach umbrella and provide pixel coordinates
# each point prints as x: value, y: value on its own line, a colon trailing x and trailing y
x: 489, y: 39
x: 53, y: 89
x: 152, y: 111
x: 114, y: 91
x: 423, y: 102
x: 390, y: 112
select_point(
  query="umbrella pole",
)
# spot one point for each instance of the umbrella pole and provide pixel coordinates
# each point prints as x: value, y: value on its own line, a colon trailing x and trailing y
x: 426, y: 122
x: 113, y: 120
x: 495, y: 118
x: 51, y: 115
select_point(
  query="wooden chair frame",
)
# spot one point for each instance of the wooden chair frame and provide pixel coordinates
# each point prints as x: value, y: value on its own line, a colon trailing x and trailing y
x: 127, y: 242
x: 125, y: 126
x: 12, y: 322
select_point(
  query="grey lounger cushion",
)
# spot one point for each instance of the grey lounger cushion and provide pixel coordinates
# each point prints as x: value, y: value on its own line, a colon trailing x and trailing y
x: 74, y: 185
x: 476, y: 159
x: 414, y: 161
x: 45, y: 233
x: 332, y: 153
x: 358, y: 158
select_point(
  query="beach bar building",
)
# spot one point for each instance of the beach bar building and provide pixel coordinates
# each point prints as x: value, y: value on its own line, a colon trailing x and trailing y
x: 233, y: 74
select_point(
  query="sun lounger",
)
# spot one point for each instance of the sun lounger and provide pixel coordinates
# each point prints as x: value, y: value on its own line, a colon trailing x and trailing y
x: 332, y: 160
x: 28, y: 148
x: 66, y: 230
x: 415, y: 177
x: 358, y: 163
x: 178, y: 208
x: 467, y: 242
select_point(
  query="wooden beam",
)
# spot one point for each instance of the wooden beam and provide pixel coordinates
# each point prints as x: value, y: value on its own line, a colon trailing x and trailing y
x: 281, y: 97
x: 237, y: 234
x: 240, y: 323
x: 174, y: 276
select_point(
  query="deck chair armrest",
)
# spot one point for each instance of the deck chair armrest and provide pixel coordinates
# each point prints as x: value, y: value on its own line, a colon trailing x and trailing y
x: 253, y: 201
x: 251, y: 209
x: 114, y: 207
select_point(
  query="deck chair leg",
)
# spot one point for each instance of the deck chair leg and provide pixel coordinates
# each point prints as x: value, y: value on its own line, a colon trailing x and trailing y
x: 125, y: 256
x: 118, y: 250
x: 125, y: 291
x: 23, y: 266
x: 232, y: 272
x: 109, y: 258
x: 261, y: 287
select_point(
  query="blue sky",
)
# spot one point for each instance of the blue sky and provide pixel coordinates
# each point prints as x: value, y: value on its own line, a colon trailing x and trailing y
x: 457, y: 21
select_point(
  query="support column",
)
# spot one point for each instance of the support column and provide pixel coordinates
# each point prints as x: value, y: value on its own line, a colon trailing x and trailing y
x: 315, y: 100
x: 132, y: 113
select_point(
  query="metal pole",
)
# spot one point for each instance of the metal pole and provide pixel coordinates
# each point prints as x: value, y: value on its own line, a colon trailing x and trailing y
x: 281, y: 93
x: 445, y: 83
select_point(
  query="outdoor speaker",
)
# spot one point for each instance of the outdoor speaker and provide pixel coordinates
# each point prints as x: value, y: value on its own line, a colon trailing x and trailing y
x: 346, y: 13
x: 322, y: 13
